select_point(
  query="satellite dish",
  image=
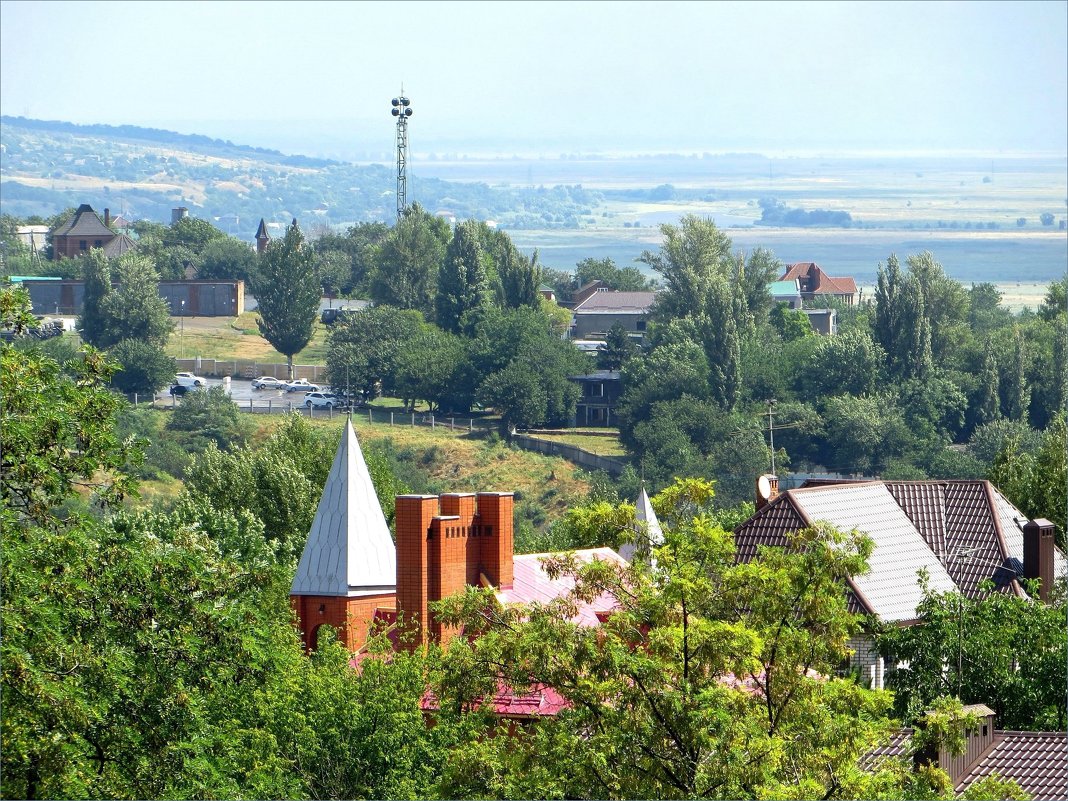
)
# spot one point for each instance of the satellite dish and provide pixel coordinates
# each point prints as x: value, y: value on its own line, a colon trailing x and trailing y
x: 764, y: 487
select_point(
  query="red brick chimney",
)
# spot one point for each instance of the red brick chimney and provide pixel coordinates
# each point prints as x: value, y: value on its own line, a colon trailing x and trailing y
x: 767, y: 489
x: 1038, y: 554
x: 445, y: 544
x: 107, y: 218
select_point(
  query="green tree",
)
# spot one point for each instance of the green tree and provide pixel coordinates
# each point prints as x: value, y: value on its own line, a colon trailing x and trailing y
x: 146, y: 369
x: 209, y: 415
x: 227, y: 258
x: 520, y: 276
x: 288, y: 293
x: 363, y: 349
x: 427, y: 368
x: 462, y: 282
x: 622, y: 279
x: 999, y: 650
x: 1036, y: 482
x: 134, y: 308
x: 1012, y: 385
x: 753, y: 274
x: 408, y: 262
x: 97, y: 274
x: 698, y: 685
x: 902, y: 326
x: 987, y: 405
x: 792, y: 324
x: 618, y: 349
x: 848, y: 364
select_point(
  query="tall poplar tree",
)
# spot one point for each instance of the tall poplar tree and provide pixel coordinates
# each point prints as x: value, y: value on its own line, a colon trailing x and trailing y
x: 462, y: 281
x: 97, y: 272
x: 287, y: 291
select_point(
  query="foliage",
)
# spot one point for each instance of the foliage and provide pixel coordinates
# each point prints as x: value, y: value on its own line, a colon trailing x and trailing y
x: 520, y: 276
x: 209, y: 415
x: 134, y: 309
x: 621, y: 279
x: 462, y: 281
x: 698, y: 685
x: 1037, y: 484
x: 51, y: 448
x: 406, y: 272
x: 92, y: 324
x: 428, y: 368
x: 999, y: 650
x: 146, y: 369
x: 790, y: 323
x: 618, y: 349
x: 363, y: 348
x: 288, y: 292
x: 227, y: 258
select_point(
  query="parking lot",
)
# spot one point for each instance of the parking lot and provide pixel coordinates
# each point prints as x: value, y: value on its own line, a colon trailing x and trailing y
x: 242, y: 393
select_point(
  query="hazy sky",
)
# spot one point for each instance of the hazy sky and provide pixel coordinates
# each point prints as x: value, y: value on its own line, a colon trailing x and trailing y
x: 553, y: 75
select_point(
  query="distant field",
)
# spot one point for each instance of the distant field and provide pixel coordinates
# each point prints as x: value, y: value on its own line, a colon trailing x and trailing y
x: 236, y: 338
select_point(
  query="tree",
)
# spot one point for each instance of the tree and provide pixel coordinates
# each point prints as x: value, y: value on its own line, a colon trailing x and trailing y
x: 988, y: 407
x: 363, y: 349
x: 902, y: 325
x: 288, y: 293
x: 999, y: 650
x: 97, y: 274
x: 146, y: 369
x: 753, y: 274
x: 1012, y: 385
x: 848, y: 364
x: 618, y: 349
x: 227, y: 258
x: 134, y: 309
x: 792, y: 324
x: 517, y: 395
x: 520, y: 276
x: 427, y: 368
x: 209, y: 415
x: 462, y: 281
x: 406, y: 270
x: 622, y: 279
x: 1046, y: 218
x: 698, y: 685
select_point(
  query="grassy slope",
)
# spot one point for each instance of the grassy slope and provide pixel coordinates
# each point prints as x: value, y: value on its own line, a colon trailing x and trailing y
x: 237, y: 338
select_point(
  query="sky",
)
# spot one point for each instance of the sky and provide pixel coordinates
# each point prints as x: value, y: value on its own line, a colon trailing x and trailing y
x: 317, y: 78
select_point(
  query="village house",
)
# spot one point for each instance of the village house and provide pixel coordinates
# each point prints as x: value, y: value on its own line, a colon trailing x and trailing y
x: 814, y: 283
x: 961, y: 533
x: 85, y: 231
x: 596, y: 309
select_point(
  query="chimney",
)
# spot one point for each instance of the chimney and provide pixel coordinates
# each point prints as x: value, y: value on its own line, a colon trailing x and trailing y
x: 977, y: 742
x: 767, y: 489
x: 107, y: 218
x: 1038, y: 554
x: 445, y: 544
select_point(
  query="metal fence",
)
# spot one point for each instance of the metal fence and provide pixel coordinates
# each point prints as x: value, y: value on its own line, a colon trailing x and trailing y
x: 246, y: 368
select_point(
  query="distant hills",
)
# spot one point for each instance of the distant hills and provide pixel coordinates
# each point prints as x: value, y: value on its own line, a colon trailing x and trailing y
x: 145, y: 172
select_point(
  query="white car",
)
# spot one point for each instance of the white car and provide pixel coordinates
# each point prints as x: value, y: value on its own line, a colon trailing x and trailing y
x: 268, y: 382
x: 321, y: 400
x: 190, y: 380
x: 301, y: 385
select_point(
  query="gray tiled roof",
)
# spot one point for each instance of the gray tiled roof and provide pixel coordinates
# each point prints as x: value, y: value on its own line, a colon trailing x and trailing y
x: 349, y: 550
x: 85, y: 222
x: 616, y: 303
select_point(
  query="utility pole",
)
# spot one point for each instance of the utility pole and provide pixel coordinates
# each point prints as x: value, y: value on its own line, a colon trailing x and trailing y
x: 402, y: 110
x: 771, y: 432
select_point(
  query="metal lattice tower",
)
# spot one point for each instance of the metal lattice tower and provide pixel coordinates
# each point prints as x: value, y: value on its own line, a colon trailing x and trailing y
x: 402, y: 110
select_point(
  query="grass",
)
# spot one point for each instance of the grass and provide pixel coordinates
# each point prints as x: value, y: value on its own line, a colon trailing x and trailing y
x: 230, y: 338
x: 592, y: 442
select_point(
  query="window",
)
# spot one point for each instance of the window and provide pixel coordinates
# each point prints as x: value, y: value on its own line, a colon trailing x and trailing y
x: 641, y: 325
x: 83, y: 244
x: 98, y: 243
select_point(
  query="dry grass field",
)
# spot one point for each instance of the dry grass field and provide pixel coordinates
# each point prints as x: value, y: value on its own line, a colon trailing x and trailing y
x: 236, y: 338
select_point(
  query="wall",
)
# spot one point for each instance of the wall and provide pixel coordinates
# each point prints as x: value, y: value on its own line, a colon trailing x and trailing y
x: 202, y: 298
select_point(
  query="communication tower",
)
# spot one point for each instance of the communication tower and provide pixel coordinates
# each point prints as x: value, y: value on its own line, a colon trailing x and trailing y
x: 402, y: 110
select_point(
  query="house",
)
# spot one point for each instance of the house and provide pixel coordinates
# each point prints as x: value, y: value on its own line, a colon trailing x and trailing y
x: 1035, y: 760
x: 351, y: 574
x: 823, y: 321
x: 961, y: 533
x: 788, y: 292
x: 600, y: 394
x: 597, y: 309
x: 84, y: 231
x: 814, y: 282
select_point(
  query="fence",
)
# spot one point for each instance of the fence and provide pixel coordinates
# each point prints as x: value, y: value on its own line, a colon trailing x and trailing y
x: 246, y: 368
x: 572, y: 453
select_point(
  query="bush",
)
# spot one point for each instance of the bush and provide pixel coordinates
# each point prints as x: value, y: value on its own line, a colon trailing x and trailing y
x: 210, y: 416
x: 146, y: 369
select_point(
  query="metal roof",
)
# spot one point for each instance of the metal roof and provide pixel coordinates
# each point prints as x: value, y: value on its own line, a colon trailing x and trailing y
x: 616, y: 303
x: 349, y: 550
x: 531, y: 583
x: 890, y: 587
x: 784, y: 288
x: 649, y: 533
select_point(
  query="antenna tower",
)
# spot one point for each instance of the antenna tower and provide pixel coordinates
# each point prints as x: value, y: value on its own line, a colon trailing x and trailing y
x: 402, y: 110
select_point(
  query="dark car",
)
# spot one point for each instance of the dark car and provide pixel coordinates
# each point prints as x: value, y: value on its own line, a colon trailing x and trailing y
x: 178, y: 389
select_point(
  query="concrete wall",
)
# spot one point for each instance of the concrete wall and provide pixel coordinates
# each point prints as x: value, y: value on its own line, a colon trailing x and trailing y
x: 202, y: 298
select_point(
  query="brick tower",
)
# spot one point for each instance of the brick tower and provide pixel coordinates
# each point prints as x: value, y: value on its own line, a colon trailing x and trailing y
x: 262, y: 237
x: 446, y: 543
x: 349, y: 564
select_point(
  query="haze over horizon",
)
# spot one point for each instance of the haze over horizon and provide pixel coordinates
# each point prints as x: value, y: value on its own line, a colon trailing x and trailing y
x: 585, y: 77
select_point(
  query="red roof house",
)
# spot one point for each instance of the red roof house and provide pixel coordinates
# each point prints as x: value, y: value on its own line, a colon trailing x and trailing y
x: 813, y: 281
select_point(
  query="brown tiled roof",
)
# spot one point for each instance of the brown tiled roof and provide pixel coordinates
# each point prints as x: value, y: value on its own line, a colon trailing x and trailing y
x: 1036, y: 760
x: 822, y: 284
x: 85, y: 222
x: 616, y: 303
x: 971, y: 532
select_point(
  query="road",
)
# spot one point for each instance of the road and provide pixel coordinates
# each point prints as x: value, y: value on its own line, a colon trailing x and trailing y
x: 242, y: 392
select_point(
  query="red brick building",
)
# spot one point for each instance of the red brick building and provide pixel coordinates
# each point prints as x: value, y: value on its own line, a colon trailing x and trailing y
x: 84, y: 231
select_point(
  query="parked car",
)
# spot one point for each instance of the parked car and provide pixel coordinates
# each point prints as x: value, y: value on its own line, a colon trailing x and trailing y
x: 268, y: 382
x: 179, y: 389
x: 301, y: 385
x: 323, y: 400
x: 190, y: 380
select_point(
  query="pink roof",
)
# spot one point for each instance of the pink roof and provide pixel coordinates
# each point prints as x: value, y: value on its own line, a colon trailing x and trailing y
x: 541, y: 700
x: 532, y: 584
